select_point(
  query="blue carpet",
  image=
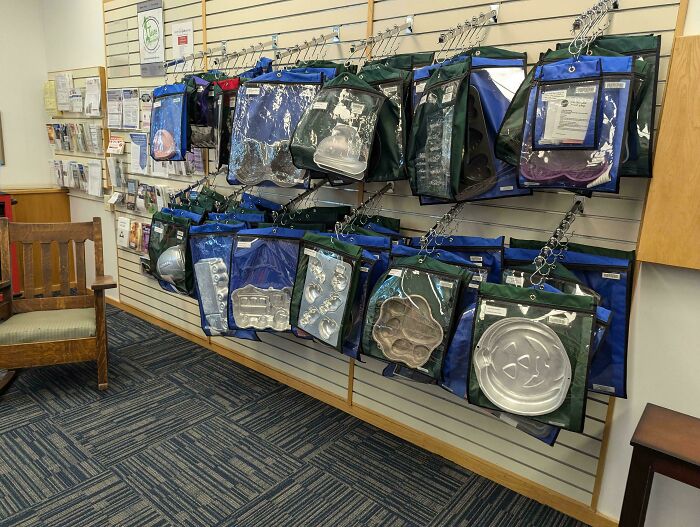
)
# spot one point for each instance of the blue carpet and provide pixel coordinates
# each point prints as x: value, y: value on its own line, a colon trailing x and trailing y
x: 184, y: 437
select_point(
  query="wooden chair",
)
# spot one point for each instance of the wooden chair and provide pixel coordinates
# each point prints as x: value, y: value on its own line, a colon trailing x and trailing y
x: 59, y: 327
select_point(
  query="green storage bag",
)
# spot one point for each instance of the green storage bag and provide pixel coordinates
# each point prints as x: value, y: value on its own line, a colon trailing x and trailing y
x: 388, y: 152
x: 171, y: 261
x: 530, y: 353
x: 336, y: 133
x: 406, y: 61
x: 326, y: 279
x: 438, y: 134
x: 411, y: 313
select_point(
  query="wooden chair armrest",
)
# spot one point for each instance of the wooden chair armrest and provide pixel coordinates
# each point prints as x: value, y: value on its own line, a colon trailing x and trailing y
x: 103, y: 282
x: 4, y: 284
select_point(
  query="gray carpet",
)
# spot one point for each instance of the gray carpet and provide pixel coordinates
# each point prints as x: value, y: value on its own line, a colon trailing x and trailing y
x: 185, y: 437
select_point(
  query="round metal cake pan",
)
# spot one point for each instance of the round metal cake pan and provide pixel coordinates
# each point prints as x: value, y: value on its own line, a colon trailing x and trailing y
x: 522, y: 367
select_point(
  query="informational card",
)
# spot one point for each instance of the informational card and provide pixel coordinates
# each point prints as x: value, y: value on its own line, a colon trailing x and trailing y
x: 93, y: 97
x: 116, y: 145
x: 146, y: 107
x: 183, y: 38
x: 568, y: 119
x: 130, y: 108
x: 114, y: 167
x: 151, y: 37
x: 64, y: 85
x: 50, y: 97
x: 114, y: 108
x: 123, y: 229
x: 139, y: 153
x: 94, y: 178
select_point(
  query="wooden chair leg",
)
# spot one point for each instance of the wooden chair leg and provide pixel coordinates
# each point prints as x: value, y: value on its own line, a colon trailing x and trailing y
x: 101, y: 333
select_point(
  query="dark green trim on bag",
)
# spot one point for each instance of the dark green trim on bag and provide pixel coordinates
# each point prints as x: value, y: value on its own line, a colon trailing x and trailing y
x: 509, y: 293
x: 517, y: 243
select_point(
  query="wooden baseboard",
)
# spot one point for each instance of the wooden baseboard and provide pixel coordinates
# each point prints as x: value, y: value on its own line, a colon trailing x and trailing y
x: 515, y: 482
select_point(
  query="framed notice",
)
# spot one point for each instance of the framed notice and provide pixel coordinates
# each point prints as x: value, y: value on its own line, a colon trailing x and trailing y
x: 151, y: 37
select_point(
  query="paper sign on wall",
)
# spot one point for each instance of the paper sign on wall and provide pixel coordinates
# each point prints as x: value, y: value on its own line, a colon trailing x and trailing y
x: 183, y: 38
x: 130, y: 108
x: 151, y: 37
x: 93, y: 97
x: 139, y: 154
x: 64, y: 85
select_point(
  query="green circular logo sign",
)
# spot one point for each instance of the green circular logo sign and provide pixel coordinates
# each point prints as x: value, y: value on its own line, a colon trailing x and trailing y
x: 151, y: 33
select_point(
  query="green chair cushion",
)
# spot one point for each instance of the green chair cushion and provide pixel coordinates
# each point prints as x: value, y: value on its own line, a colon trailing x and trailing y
x: 47, y: 326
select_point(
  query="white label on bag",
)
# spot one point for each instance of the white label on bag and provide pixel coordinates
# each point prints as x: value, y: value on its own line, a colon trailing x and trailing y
x: 158, y: 229
x: 495, y: 311
x: 177, y: 99
x: 515, y: 280
x: 396, y: 272
x: 157, y: 104
x: 420, y: 87
x: 389, y: 90
x: 252, y: 91
x: 357, y: 107
x: 364, y: 269
x: 561, y: 321
x: 445, y: 283
x: 601, y: 388
x: 554, y: 95
x: 612, y: 276
x: 180, y: 235
x: 473, y: 285
x: 506, y: 189
x: 319, y: 105
x: 615, y: 85
x: 476, y: 258
x: 309, y: 252
x: 245, y: 245
x: 586, y: 89
x: 447, y: 97
x: 567, y: 121
x: 477, y: 278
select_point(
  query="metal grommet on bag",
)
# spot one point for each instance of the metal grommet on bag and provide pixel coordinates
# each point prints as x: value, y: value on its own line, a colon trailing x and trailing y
x: 572, y: 68
x: 345, y: 77
x: 279, y: 74
x: 533, y: 297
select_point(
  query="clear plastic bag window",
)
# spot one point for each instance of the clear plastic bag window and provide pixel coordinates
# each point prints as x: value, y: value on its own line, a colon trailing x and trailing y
x: 166, y: 128
x: 339, y: 130
x: 265, y: 117
x: 567, y: 115
x: 434, y: 152
x: 325, y: 295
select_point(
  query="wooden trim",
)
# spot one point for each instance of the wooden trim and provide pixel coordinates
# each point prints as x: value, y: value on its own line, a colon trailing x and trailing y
x: 680, y: 19
x: 351, y: 380
x: 30, y: 355
x: 489, y: 470
x: 53, y: 190
x: 603, y: 453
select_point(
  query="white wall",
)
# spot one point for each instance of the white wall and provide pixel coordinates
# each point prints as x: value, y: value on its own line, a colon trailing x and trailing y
x: 74, y: 34
x: 23, y: 67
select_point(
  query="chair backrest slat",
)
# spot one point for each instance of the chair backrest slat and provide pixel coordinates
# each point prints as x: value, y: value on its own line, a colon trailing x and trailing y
x: 52, y: 251
x: 46, y: 269
x: 64, y: 266
x: 80, y: 266
x: 28, y: 268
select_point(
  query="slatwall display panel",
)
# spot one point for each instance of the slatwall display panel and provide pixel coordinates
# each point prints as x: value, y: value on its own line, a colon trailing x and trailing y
x: 533, y: 26
x: 312, y: 363
x: 569, y: 467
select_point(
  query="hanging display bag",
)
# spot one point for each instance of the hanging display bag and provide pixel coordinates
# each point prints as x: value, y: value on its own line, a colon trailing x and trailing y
x: 262, y: 276
x: 436, y: 144
x: 388, y: 163
x: 205, y: 112
x: 169, y: 131
x: 171, y: 261
x: 575, y: 124
x: 530, y: 353
x: 211, y: 245
x: 609, y: 273
x: 268, y: 109
x: 336, y: 133
x: 411, y: 311
x: 482, y: 252
x: 646, y: 50
x: 229, y: 90
x: 326, y: 278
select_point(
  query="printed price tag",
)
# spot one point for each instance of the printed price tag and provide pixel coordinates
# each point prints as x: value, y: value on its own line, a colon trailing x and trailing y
x: 495, y: 311
x: 614, y: 85
x: 309, y: 252
x: 611, y: 276
x: 252, y: 91
x: 396, y: 272
x: 319, y: 105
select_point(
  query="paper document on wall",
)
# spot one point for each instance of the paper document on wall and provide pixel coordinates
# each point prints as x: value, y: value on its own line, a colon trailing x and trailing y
x: 114, y: 167
x: 114, y: 108
x: 50, y: 97
x: 183, y: 39
x: 94, y: 178
x: 146, y: 98
x: 130, y: 108
x: 139, y: 153
x: 64, y: 85
x: 93, y: 97
x: 151, y: 37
